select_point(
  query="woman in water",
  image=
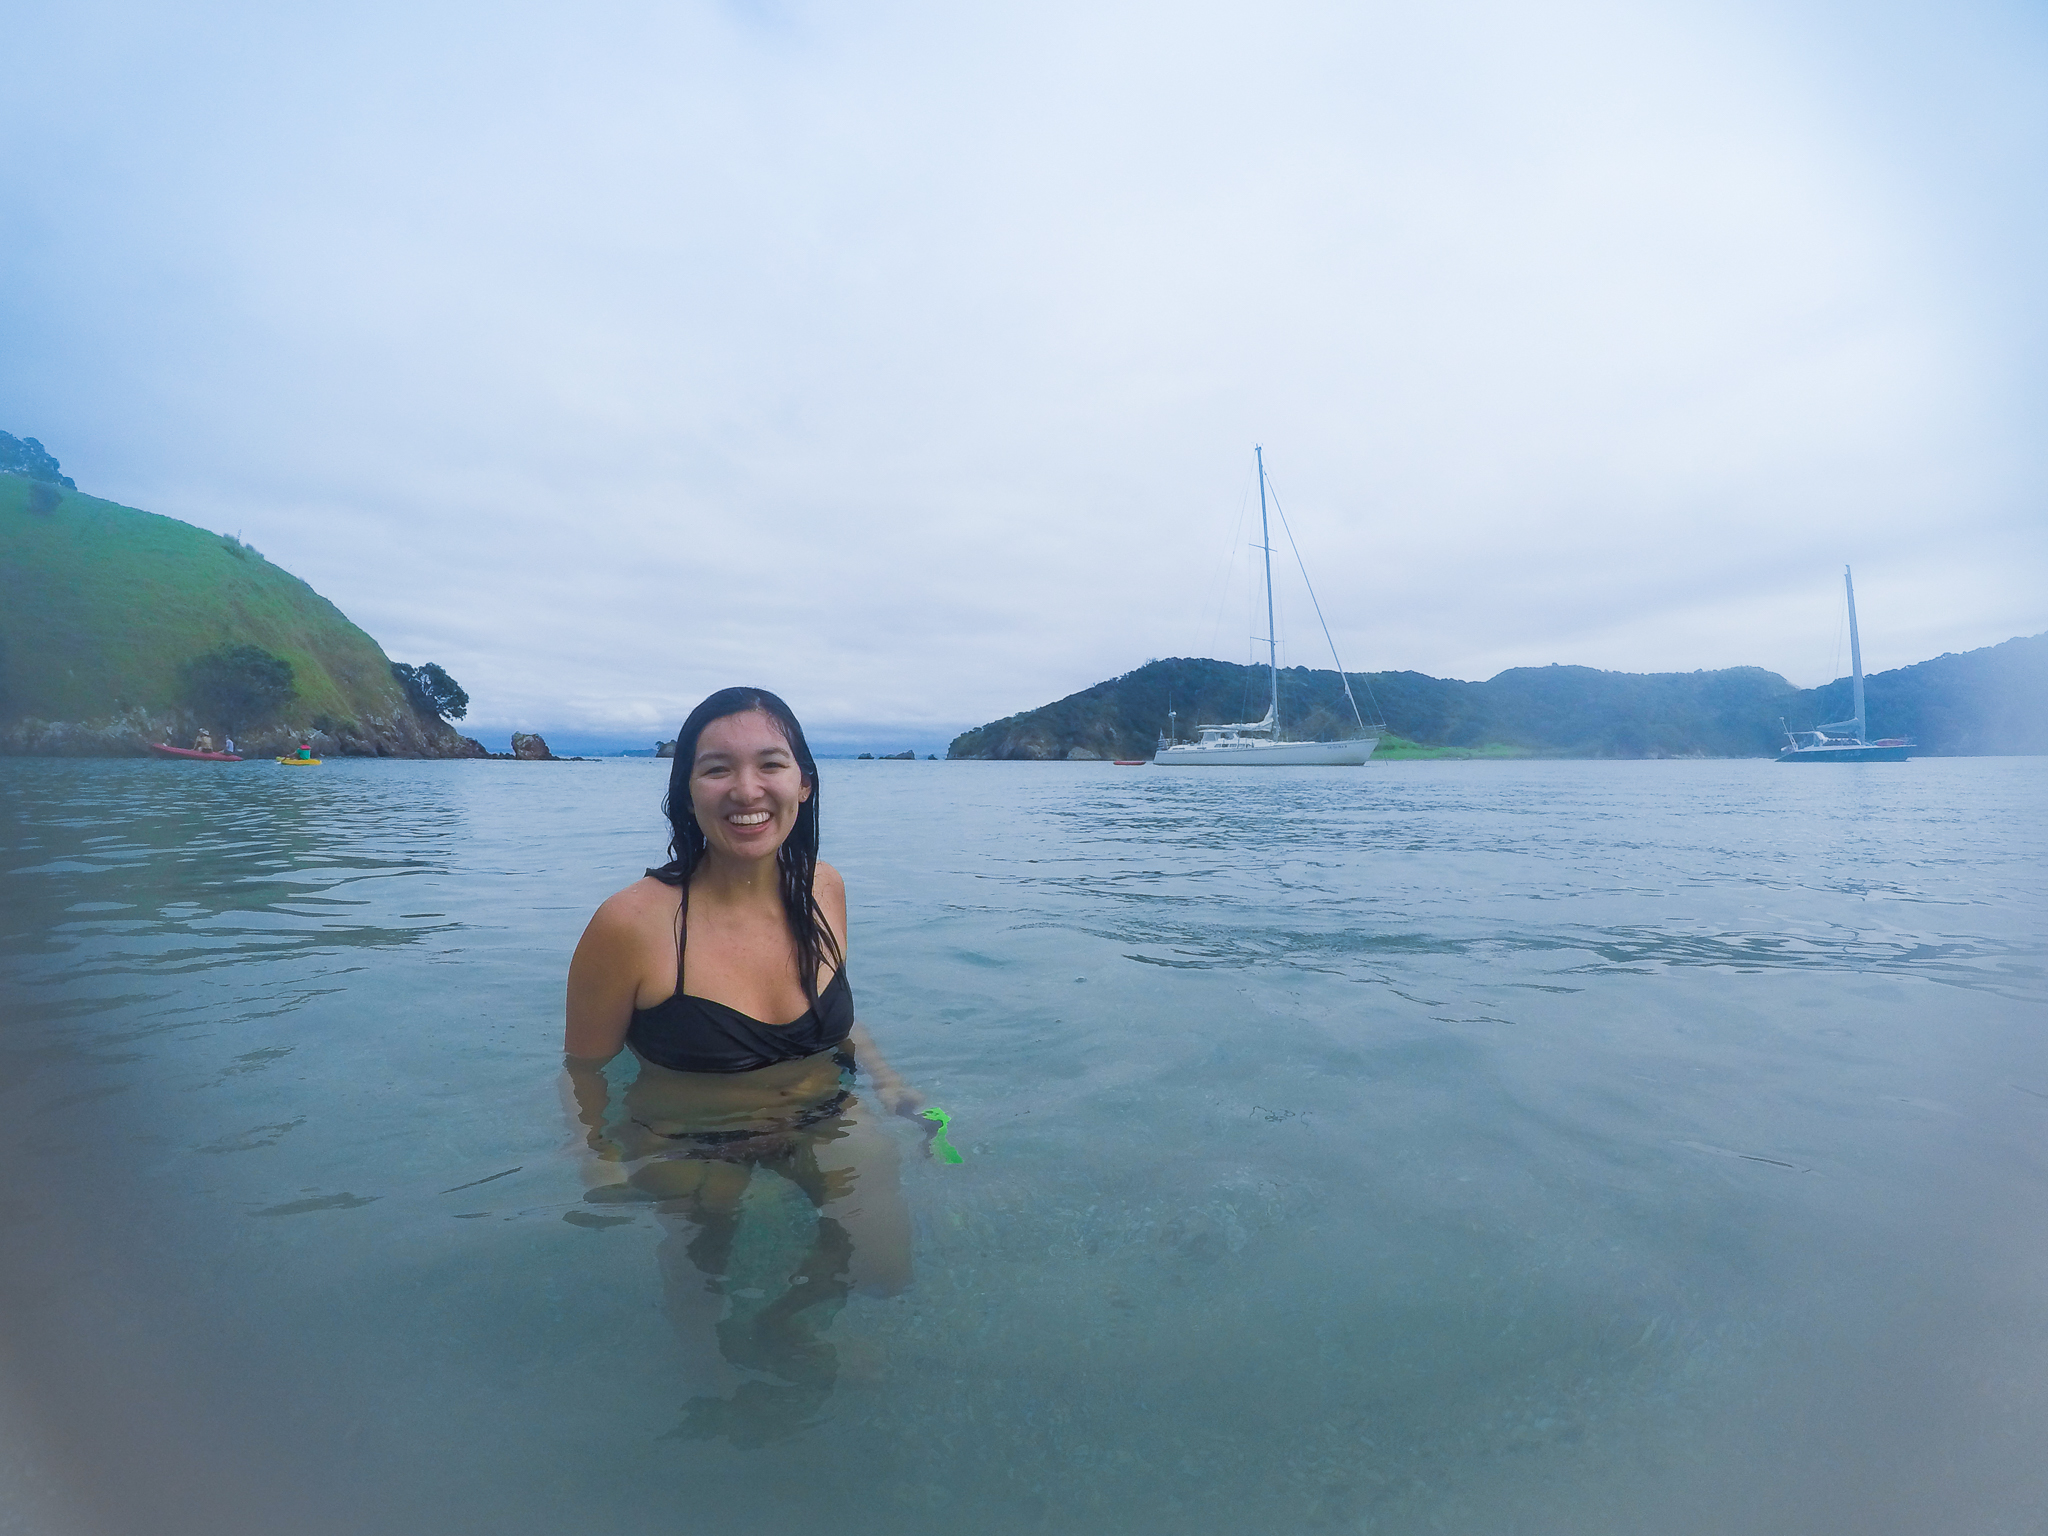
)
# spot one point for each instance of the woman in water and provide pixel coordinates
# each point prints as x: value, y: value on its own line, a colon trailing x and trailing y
x: 725, y: 972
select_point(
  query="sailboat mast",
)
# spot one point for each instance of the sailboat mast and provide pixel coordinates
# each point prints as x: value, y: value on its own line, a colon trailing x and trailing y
x: 1272, y: 635
x: 1855, y: 650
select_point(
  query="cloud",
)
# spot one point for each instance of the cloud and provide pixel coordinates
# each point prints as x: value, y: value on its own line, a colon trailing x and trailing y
x: 908, y: 358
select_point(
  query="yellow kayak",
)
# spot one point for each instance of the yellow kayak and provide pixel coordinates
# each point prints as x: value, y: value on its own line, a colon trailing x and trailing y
x: 300, y: 762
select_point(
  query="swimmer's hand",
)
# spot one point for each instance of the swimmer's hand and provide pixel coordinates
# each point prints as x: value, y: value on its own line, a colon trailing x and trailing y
x: 586, y: 1095
x: 897, y: 1097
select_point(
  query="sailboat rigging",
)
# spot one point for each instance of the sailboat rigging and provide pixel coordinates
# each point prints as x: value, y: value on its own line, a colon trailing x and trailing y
x: 1259, y: 743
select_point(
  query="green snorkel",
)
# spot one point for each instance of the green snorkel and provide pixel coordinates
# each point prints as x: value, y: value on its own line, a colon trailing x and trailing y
x: 942, y: 1149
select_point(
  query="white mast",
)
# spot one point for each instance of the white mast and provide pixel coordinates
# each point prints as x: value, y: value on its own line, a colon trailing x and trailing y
x: 1855, y: 650
x: 1272, y: 635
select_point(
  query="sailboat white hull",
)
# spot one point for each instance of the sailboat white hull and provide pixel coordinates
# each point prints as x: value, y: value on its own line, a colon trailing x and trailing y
x: 1846, y: 752
x: 1268, y: 754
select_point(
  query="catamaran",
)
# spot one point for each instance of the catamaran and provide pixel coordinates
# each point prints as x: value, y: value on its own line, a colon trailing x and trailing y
x: 1259, y: 743
x: 1843, y: 741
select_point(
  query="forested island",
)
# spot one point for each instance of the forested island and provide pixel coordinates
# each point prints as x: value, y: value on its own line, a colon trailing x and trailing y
x: 1989, y: 701
x: 119, y: 628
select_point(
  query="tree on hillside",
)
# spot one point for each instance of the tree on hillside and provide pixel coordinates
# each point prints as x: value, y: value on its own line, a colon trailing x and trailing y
x: 431, y: 691
x: 237, y: 686
x: 28, y: 458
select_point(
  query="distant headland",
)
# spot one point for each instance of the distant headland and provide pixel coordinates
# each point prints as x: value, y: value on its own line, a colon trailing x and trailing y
x: 1983, y: 702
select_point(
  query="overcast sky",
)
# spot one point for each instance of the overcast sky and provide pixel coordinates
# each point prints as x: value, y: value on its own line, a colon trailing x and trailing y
x: 908, y: 357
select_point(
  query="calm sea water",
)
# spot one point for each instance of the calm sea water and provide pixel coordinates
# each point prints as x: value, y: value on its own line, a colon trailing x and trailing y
x: 1477, y: 1147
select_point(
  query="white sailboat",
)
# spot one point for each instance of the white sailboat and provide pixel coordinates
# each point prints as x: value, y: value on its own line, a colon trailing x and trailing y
x: 1842, y: 741
x: 1258, y: 743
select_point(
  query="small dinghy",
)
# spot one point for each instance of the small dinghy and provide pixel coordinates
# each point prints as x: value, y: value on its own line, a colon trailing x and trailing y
x: 299, y: 762
x: 205, y: 757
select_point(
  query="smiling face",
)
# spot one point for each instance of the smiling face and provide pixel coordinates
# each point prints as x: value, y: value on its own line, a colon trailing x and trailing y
x: 745, y: 786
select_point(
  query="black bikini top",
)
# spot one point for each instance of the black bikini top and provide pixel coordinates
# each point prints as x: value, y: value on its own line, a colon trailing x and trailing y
x: 695, y: 1034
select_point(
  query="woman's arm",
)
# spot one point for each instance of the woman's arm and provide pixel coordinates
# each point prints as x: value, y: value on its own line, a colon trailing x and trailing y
x: 828, y: 890
x: 894, y: 1095
x: 586, y: 1097
x: 604, y: 979
x: 604, y: 983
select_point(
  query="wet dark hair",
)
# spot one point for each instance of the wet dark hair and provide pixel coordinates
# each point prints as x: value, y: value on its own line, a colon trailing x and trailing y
x: 796, y: 862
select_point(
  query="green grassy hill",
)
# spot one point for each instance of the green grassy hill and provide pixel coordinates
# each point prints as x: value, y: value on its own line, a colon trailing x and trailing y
x: 100, y: 606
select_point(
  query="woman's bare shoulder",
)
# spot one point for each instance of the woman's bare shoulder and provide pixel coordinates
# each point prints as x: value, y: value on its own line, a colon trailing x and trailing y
x: 829, y: 886
x: 644, y: 903
x: 829, y: 890
x: 621, y: 954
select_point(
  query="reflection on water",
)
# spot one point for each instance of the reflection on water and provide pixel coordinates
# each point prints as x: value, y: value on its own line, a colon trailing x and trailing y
x: 774, y: 1333
x: 749, y: 1288
x: 1486, y: 1147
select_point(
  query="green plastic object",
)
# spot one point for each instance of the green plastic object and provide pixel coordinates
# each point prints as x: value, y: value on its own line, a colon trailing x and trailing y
x: 942, y: 1149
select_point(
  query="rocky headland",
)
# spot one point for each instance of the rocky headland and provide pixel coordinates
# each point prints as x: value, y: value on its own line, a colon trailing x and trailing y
x: 133, y: 732
x: 105, y: 610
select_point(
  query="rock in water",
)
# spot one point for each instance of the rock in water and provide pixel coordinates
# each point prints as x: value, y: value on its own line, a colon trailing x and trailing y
x: 531, y: 748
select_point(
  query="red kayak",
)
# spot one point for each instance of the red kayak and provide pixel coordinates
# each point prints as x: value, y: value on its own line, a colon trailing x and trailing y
x: 205, y: 757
